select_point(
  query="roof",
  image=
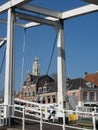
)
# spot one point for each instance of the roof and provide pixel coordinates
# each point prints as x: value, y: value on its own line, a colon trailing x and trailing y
x: 43, y: 80
x: 92, y: 78
x: 48, y: 88
x: 31, y: 79
x: 73, y: 84
x: 52, y: 87
x: 38, y: 80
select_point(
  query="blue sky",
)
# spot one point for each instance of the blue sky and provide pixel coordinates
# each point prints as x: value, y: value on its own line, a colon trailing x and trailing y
x: 81, y: 43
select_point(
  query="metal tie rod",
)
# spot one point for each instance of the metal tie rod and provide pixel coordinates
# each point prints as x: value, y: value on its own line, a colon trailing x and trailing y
x: 3, y: 41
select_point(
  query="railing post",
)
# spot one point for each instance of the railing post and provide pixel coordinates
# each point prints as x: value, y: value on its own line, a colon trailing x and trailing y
x: 23, y: 119
x: 95, y: 109
x: 41, y: 118
x: 64, y: 120
x: 5, y: 118
x: 9, y: 114
x: 94, y: 120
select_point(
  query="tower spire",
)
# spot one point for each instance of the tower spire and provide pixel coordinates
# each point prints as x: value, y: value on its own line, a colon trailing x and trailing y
x: 35, y: 68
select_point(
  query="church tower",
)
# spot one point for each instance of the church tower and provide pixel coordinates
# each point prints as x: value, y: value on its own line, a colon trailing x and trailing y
x: 35, y: 68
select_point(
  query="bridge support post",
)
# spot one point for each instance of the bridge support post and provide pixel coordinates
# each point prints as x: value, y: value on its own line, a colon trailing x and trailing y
x: 61, y: 65
x: 61, y: 71
x: 9, y: 69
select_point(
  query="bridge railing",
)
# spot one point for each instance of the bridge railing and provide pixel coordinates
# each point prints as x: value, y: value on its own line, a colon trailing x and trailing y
x: 76, y: 119
x: 80, y: 119
x: 1, y: 115
x: 3, y: 120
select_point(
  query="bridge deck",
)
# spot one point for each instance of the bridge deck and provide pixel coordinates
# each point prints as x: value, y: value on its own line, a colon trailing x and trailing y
x: 10, y: 128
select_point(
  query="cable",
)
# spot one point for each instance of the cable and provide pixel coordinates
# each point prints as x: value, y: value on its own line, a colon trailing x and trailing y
x: 52, y: 54
x: 2, y: 61
x: 22, y: 71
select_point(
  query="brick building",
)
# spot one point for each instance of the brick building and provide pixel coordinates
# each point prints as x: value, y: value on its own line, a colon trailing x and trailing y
x: 43, y: 89
x: 39, y: 88
x: 81, y: 93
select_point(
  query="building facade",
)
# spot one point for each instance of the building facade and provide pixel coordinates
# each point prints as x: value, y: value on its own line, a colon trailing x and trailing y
x: 43, y: 89
x: 39, y: 88
x: 82, y: 93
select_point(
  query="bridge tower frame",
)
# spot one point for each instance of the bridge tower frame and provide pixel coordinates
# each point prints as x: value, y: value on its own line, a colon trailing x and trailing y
x: 52, y: 18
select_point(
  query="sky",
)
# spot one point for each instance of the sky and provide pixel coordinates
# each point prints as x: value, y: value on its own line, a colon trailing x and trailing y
x: 80, y: 40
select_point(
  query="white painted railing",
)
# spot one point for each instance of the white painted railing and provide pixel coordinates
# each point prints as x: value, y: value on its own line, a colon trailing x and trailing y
x: 1, y: 115
x: 37, y: 115
x: 3, y: 121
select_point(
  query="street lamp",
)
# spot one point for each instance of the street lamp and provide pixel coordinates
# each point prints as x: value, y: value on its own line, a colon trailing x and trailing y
x: 92, y: 1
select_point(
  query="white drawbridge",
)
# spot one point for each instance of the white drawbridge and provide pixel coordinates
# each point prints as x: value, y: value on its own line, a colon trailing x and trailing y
x: 52, y: 18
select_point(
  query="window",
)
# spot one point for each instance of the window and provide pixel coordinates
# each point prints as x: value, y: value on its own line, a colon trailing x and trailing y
x: 53, y: 98
x: 48, y: 99
x: 92, y: 96
x: 25, y: 94
x: 43, y: 101
x: 33, y: 93
x: 44, y: 89
x: 85, y: 96
x: 40, y: 90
